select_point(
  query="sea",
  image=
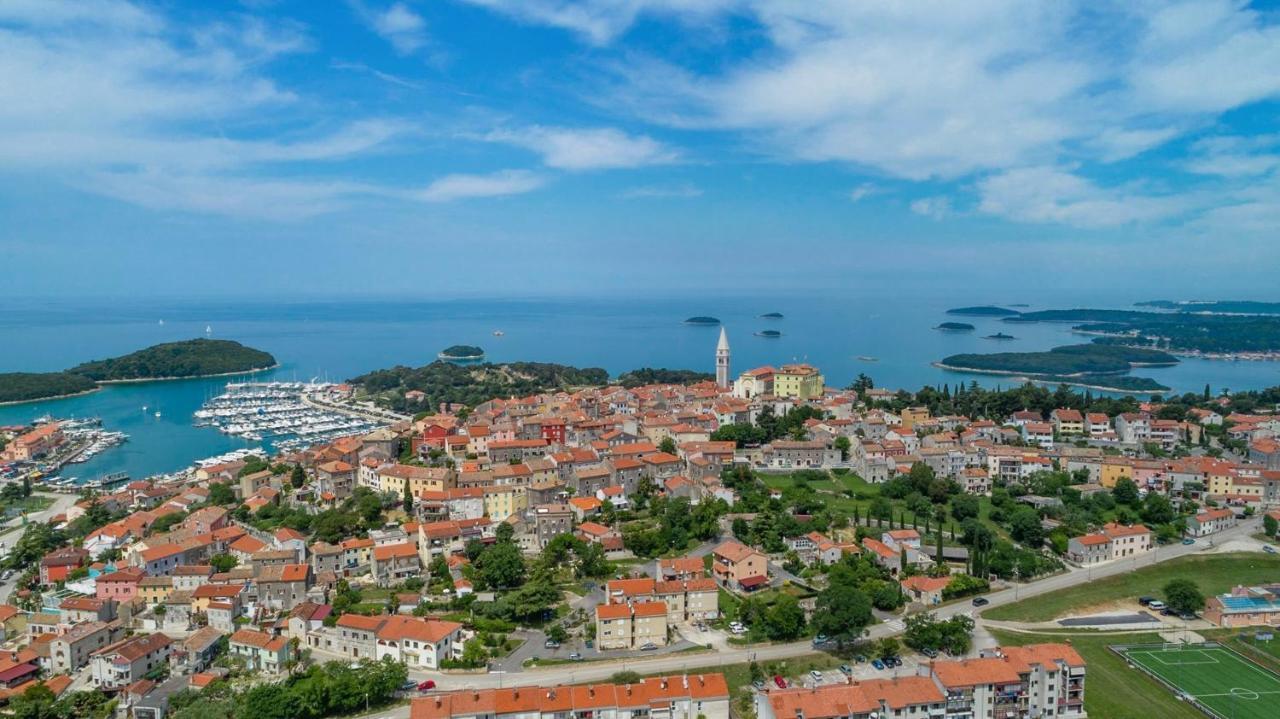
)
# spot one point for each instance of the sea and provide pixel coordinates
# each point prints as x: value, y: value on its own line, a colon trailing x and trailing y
x: 890, y: 339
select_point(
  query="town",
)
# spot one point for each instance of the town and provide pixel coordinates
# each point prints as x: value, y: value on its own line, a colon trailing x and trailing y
x: 761, y: 545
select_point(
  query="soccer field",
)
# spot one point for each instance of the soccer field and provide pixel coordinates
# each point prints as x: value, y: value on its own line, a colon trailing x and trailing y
x: 1221, y: 680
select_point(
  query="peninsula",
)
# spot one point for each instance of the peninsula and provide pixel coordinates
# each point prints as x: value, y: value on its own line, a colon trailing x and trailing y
x: 1232, y: 336
x: 983, y: 311
x: 1087, y: 365
x: 173, y: 360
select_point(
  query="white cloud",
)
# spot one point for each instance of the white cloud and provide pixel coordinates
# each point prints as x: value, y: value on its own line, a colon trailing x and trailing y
x: 683, y: 190
x: 567, y: 148
x: 936, y: 208
x: 1235, y: 156
x: 863, y: 191
x: 600, y: 21
x: 461, y: 187
x: 1046, y: 194
x: 395, y: 23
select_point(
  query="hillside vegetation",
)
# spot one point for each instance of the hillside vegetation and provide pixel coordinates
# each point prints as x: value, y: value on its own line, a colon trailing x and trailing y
x: 27, y: 386
x: 189, y: 358
x: 471, y: 385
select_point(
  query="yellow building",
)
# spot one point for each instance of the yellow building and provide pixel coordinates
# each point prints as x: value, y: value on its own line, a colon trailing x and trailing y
x: 503, y: 501
x: 420, y: 479
x: 799, y: 381
x: 155, y: 590
x: 911, y: 415
x: 1113, y: 470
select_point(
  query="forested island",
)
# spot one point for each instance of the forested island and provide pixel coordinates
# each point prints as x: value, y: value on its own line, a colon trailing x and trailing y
x: 30, y: 386
x: 1092, y: 365
x: 770, y: 334
x: 701, y: 320
x: 462, y: 352
x: 983, y: 311
x: 955, y: 327
x: 772, y: 315
x: 172, y: 360
x: 1186, y: 332
x: 473, y: 384
x: 649, y: 375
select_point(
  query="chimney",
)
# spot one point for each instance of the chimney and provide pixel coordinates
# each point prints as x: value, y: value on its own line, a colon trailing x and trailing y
x: 684, y: 680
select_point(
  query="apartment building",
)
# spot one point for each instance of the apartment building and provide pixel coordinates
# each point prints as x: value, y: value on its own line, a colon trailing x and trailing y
x: 737, y: 566
x: 1115, y: 541
x: 631, y: 626
x: 129, y: 660
x: 692, y: 696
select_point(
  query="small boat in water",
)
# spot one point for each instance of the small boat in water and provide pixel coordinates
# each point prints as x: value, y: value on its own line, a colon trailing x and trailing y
x: 498, y: 333
x: 868, y: 358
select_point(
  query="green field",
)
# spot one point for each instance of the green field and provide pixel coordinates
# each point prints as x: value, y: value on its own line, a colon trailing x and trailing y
x: 1221, y: 680
x: 1111, y: 689
x: 1214, y: 574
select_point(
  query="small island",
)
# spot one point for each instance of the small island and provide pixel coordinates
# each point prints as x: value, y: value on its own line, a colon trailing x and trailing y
x: 771, y: 316
x: 983, y: 311
x: 702, y: 321
x: 772, y: 334
x: 999, y: 336
x: 955, y: 327
x: 466, y: 353
x: 172, y: 360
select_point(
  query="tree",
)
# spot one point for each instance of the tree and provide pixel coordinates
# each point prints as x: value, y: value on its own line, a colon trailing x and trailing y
x: 841, y: 612
x: 843, y: 444
x: 785, y: 619
x: 298, y: 476
x: 1269, y: 525
x: 964, y: 506
x: 888, y: 647
x: 1125, y: 491
x: 221, y: 494
x: 1157, y: 509
x: 1025, y: 527
x: 223, y: 562
x: 558, y: 634
x: 504, y: 533
x: 406, y: 502
x: 501, y: 566
x: 1183, y: 596
x: 667, y: 445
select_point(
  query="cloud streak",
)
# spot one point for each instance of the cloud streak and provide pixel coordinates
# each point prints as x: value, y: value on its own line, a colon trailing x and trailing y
x: 578, y: 149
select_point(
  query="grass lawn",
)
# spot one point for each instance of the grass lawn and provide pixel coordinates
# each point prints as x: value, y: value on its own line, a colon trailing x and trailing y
x: 1265, y: 653
x: 1111, y: 688
x: 1214, y: 573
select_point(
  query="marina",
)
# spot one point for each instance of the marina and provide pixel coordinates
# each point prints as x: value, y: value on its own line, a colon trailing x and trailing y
x: 279, y: 413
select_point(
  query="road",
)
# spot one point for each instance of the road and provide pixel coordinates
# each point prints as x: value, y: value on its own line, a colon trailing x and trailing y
x: 680, y: 663
x: 61, y: 503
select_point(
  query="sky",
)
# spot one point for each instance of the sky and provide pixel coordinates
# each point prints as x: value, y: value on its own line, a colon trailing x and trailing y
x: 528, y: 147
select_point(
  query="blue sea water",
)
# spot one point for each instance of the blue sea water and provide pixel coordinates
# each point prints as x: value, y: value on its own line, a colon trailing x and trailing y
x: 336, y: 340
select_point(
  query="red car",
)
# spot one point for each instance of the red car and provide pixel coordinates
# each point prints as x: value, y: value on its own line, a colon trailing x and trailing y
x: 777, y: 679
x: 427, y: 685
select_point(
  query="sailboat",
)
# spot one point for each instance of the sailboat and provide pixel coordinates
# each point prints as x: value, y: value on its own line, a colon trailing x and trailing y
x: 208, y: 330
x: 161, y: 323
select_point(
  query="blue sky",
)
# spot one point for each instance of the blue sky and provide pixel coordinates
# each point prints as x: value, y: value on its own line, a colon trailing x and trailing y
x: 446, y: 147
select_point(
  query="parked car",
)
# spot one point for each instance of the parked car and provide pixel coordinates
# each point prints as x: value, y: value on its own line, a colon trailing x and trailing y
x: 1188, y: 540
x: 777, y: 679
x: 758, y: 684
x: 1146, y: 601
x: 1266, y: 548
x: 846, y: 669
x: 648, y: 647
x: 551, y: 644
x: 816, y: 675
x: 1188, y: 616
x: 981, y: 601
x: 426, y: 686
x: 408, y: 685
x: 819, y: 640
x: 1155, y: 604
x: 930, y: 652
x: 893, y: 661
x: 1167, y: 612
x: 860, y: 659
x: 877, y: 664
x: 575, y: 657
